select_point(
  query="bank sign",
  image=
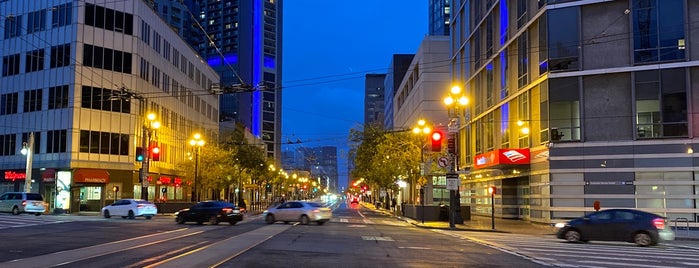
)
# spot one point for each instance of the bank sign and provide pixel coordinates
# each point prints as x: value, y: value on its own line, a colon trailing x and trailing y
x: 502, y: 157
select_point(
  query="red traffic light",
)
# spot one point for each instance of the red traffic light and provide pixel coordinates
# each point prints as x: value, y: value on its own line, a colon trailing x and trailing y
x: 155, y: 153
x: 492, y: 190
x: 436, y: 137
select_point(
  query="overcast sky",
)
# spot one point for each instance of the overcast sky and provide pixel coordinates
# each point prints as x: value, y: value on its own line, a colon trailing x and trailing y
x: 328, y: 47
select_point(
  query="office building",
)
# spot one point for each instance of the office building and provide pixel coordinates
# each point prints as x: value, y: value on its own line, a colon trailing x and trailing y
x: 574, y: 102
x: 81, y: 76
x: 439, y: 17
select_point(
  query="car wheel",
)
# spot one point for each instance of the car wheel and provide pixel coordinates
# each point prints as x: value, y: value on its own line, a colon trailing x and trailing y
x: 642, y: 239
x: 149, y: 217
x: 131, y: 215
x: 233, y: 222
x: 304, y: 220
x: 15, y: 211
x: 269, y: 219
x: 213, y: 220
x: 106, y: 214
x: 37, y: 214
x: 179, y: 220
x: 572, y: 236
x: 321, y: 222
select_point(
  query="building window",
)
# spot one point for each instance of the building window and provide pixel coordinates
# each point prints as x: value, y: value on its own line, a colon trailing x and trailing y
x: 32, y: 100
x: 34, y: 61
x: 108, y: 19
x: 8, y: 103
x: 522, y: 60
x: 37, y: 141
x: 36, y: 21
x: 524, y: 122
x: 521, y: 13
x: 145, y: 32
x: 106, y: 58
x: 564, y: 108
x: 563, y: 39
x: 61, y: 15
x: 104, y: 142
x: 56, y: 141
x: 8, y: 144
x: 101, y: 99
x: 155, y: 79
x: 60, y: 56
x: 58, y: 97
x: 10, y: 65
x: 658, y: 30
x: 661, y: 103
x: 156, y: 41
x: 13, y: 26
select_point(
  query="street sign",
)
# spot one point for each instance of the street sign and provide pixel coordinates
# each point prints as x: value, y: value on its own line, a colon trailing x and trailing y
x: 452, y: 181
x: 443, y: 161
x: 422, y: 181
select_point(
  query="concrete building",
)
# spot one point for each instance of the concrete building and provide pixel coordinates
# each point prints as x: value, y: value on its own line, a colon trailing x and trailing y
x: 82, y: 76
x: 320, y: 162
x: 419, y: 96
x: 575, y: 102
x: 241, y: 40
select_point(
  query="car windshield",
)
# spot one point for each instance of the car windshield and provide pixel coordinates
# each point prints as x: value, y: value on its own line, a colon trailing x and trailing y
x: 316, y: 205
x: 143, y: 202
x: 34, y: 197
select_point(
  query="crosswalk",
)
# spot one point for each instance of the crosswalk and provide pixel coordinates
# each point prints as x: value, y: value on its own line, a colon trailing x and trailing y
x: 24, y: 220
x: 550, y: 251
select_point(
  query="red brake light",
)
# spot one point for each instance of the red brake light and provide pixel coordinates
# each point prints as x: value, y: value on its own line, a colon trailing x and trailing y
x: 227, y: 210
x: 24, y: 203
x: 659, y: 223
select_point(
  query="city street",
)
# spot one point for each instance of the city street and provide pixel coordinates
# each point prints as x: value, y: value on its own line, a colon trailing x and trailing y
x: 356, y: 237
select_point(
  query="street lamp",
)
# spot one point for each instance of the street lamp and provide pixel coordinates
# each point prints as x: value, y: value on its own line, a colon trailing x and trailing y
x: 455, y: 101
x: 197, y: 142
x: 423, y: 130
x: 27, y: 150
x: 149, y: 128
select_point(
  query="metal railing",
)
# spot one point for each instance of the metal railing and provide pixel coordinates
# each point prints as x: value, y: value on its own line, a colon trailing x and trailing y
x: 685, y: 221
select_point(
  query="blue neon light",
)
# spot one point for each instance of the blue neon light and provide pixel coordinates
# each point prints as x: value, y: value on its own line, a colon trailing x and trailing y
x: 216, y: 61
x: 256, y: 127
x: 504, y: 117
x: 269, y: 62
x: 503, y: 22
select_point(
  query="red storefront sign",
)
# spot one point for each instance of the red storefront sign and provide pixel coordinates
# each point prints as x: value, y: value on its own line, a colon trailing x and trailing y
x: 164, y: 180
x: 15, y: 176
x: 502, y: 157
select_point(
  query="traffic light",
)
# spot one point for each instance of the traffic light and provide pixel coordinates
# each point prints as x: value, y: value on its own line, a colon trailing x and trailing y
x: 436, y: 137
x: 492, y: 190
x: 139, y: 154
x: 155, y: 153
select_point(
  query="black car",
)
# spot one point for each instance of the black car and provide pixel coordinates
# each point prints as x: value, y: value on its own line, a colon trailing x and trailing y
x: 210, y: 211
x: 627, y: 225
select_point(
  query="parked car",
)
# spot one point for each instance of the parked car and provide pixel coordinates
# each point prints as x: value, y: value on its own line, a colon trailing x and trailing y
x: 355, y: 200
x: 210, y: 211
x: 130, y: 208
x: 21, y: 202
x: 627, y: 225
x: 300, y: 211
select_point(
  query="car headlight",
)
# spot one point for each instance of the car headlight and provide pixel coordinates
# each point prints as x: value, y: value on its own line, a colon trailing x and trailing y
x: 560, y: 225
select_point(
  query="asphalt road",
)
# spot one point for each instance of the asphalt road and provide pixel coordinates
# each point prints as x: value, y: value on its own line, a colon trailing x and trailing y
x: 354, y: 238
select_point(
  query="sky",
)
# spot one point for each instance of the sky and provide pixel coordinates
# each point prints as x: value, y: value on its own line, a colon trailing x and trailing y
x: 328, y: 48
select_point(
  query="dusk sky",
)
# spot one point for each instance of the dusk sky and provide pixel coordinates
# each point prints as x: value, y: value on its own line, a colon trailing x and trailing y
x: 328, y: 47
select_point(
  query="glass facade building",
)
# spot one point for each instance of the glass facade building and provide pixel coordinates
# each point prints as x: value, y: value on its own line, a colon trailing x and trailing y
x: 574, y: 102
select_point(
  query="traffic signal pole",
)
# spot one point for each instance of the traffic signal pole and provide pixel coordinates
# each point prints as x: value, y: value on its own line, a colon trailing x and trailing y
x: 143, y: 172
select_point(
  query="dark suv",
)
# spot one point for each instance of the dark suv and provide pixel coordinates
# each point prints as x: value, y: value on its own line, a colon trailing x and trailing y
x: 210, y: 211
x: 627, y: 225
x: 20, y: 202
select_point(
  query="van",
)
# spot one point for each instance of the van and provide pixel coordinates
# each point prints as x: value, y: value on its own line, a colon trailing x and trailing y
x: 21, y: 202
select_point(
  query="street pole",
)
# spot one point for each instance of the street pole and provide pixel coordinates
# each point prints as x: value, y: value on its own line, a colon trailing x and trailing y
x: 28, y: 172
x: 143, y: 173
x: 492, y: 210
x: 195, y: 195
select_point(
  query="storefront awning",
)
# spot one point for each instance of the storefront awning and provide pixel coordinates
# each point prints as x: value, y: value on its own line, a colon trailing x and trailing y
x: 48, y: 175
x: 88, y: 175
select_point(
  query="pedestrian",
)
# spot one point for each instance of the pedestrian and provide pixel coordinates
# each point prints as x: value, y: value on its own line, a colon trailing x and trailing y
x: 393, y: 203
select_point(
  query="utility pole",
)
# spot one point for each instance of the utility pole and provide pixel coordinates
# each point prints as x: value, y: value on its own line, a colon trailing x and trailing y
x: 30, y: 152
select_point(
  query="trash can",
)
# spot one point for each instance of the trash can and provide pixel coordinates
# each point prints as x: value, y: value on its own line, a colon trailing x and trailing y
x: 443, y: 213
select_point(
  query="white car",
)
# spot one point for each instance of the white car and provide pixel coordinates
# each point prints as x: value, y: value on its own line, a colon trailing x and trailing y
x: 300, y: 211
x: 21, y: 202
x: 130, y: 208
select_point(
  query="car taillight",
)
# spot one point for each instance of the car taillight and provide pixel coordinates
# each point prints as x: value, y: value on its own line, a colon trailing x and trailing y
x: 316, y: 210
x: 24, y: 203
x: 226, y: 210
x: 659, y: 223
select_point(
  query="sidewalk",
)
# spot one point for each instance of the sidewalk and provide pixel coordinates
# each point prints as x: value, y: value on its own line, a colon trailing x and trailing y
x: 484, y: 224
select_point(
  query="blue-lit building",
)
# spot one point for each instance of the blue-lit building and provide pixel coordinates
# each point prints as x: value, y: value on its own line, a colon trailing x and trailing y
x: 574, y: 102
x: 243, y: 44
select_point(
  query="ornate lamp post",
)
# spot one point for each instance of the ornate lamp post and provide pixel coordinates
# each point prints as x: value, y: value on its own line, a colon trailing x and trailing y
x: 148, y: 132
x: 423, y: 130
x: 197, y: 142
x: 455, y: 101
